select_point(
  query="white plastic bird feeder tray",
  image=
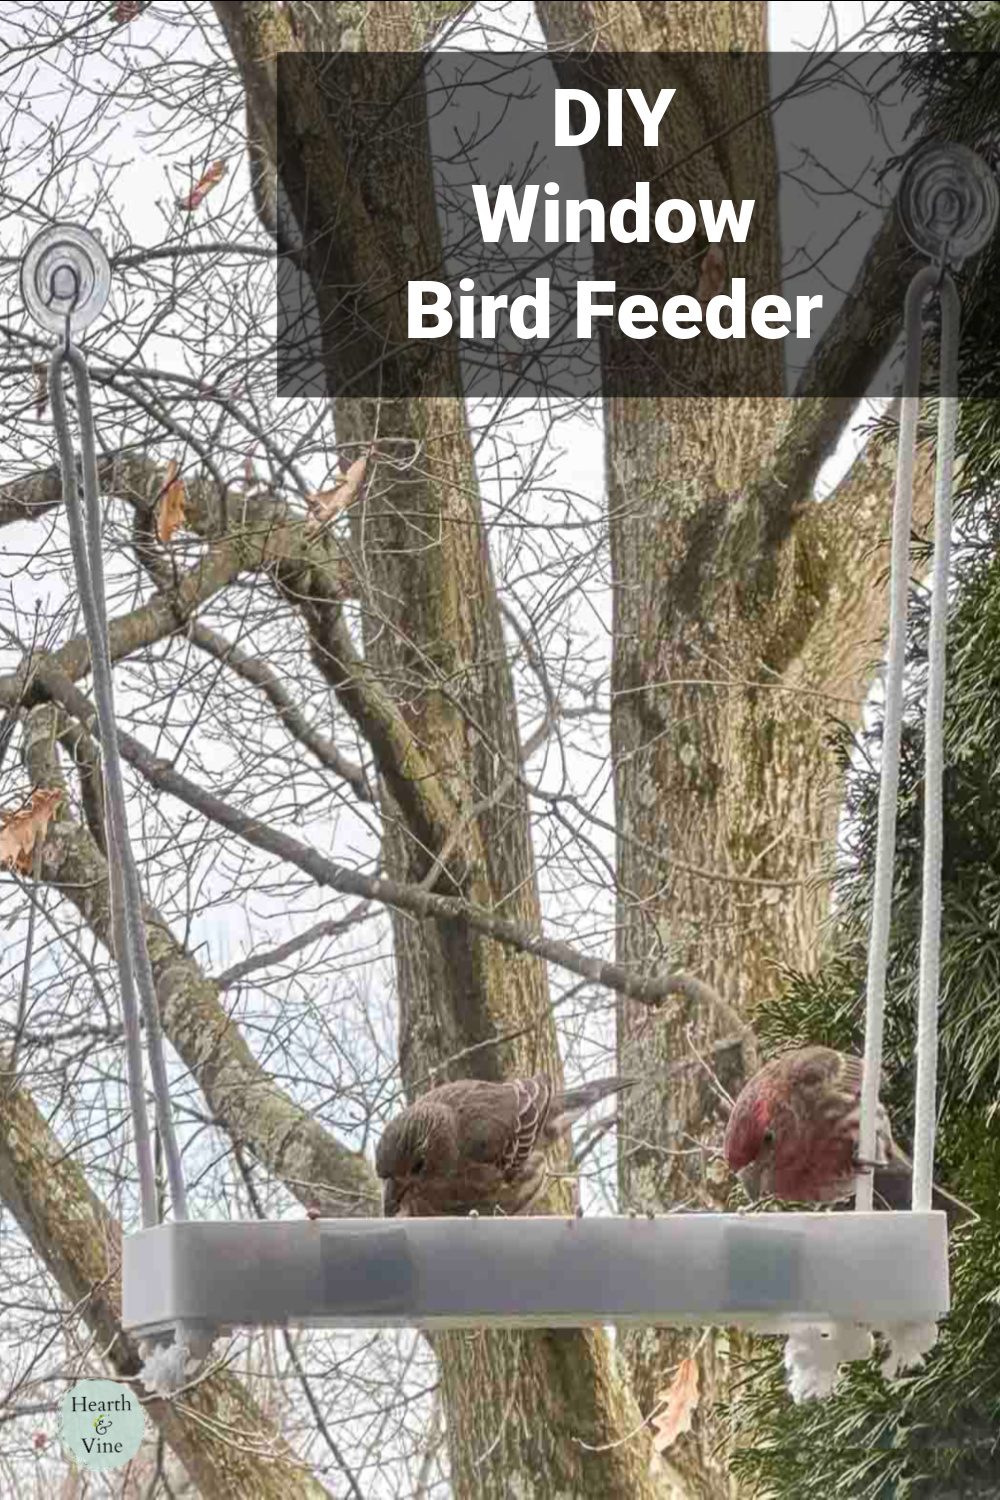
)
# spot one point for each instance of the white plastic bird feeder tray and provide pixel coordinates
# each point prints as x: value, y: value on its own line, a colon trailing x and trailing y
x: 772, y: 1272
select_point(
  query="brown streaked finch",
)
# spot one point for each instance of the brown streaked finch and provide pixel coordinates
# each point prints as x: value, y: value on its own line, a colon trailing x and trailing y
x: 793, y: 1134
x: 480, y: 1147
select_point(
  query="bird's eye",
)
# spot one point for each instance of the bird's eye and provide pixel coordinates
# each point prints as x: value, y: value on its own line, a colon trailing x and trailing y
x: 768, y: 1138
x: 418, y: 1166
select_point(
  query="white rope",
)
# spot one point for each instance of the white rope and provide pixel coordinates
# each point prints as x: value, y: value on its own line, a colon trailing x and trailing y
x: 878, y: 951
x: 930, y: 921
x: 126, y: 897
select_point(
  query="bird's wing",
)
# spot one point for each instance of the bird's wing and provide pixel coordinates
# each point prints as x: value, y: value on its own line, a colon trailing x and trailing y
x: 498, y: 1124
x: 819, y: 1069
x: 533, y: 1097
x: 834, y: 1080
x: 851, y: 1078
x: 852, y: 1072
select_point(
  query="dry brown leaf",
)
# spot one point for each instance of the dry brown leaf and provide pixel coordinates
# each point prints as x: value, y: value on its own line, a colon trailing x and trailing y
x: 18, y: 830
x: 680, y: 1401
x: 170, y: 513
x: 205, y: 184
x: 713, y: 274
x: 330, y: 503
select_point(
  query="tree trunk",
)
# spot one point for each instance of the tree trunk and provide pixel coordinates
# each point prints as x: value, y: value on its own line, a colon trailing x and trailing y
x: 515, y: 1403
x: 726, y: 670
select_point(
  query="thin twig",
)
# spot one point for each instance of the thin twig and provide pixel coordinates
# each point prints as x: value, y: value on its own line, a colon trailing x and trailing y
x: 332, y: 927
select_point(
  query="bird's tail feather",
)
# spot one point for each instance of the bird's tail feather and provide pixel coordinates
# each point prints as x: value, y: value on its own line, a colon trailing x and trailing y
x: 893, y: 1185
x: 577, y: 1101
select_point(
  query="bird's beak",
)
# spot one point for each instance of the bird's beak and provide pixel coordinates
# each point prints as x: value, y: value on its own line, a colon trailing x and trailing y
x: 750, y: 1178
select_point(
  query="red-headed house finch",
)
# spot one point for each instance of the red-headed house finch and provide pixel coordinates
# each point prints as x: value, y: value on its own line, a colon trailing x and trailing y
x: 793, y: 1134
x: 480, y: 1146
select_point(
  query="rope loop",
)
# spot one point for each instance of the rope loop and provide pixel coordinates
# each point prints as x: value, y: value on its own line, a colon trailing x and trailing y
x: 128, y: 926
x: 934, y: 279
